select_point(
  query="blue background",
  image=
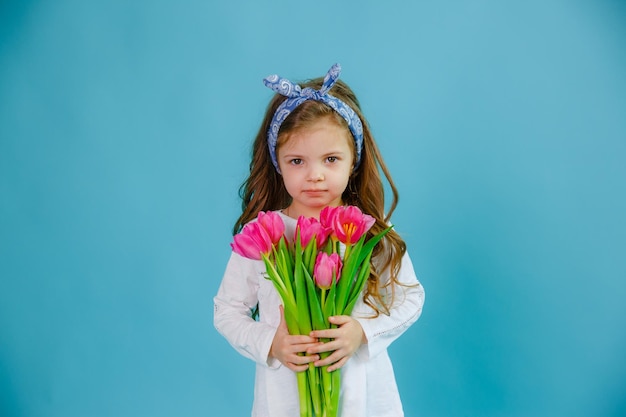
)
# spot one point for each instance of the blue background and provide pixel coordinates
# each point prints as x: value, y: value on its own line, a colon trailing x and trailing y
x: 124, y: 134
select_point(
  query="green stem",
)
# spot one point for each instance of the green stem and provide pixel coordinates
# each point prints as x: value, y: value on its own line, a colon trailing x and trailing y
x: 336, y: 383
x: 303, y: 388
x: 327, y: 384
x: 314, y: 390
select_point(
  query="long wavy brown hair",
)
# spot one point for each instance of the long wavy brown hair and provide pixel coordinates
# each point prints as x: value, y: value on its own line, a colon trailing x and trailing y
x: 264, y: 190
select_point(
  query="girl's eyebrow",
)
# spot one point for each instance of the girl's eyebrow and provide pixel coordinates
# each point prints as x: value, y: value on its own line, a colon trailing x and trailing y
x: 328, y: 153
x: 334, y: 152
x: 292, y: 155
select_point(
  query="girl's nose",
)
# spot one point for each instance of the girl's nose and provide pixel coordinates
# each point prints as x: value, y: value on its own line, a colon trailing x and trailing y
x: 316, y: 175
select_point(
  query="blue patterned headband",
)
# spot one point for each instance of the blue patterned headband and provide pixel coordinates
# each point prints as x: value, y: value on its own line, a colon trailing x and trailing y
x: 297, y: 95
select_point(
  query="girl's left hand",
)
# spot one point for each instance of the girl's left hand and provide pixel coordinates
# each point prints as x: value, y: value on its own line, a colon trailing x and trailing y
x: 346, y: 339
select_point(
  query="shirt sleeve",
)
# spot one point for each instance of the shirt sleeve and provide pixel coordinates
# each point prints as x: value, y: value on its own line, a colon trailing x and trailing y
x: 381, y: 331
x: 233, y: 305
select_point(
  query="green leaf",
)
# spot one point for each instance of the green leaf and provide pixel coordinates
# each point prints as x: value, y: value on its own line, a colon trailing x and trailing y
x: 360, y: 259
x: 369, y: 246
x: 348, y: 273
x: 287, y: 297
x: 304, y: 319
x: 310, y: 253
x: 329, y: 307
x: 317, y: 317
x: 359, y: 284
x: 284, y: 249
x: 283, y: 264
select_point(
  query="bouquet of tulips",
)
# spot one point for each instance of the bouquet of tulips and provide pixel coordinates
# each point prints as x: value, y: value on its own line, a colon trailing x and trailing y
x: 318, y: 273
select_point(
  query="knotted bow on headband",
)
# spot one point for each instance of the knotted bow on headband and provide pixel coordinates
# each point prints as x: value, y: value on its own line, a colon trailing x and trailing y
x: 297, y: 95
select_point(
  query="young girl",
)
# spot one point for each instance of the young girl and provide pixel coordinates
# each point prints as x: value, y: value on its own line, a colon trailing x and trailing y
x: 314, y: 150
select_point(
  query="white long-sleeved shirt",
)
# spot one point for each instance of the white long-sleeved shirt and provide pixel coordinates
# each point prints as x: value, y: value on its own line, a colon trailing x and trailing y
x: 368, y: 386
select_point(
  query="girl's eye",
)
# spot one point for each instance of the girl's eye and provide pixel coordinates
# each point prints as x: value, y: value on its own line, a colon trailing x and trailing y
x: 332, y: 159
x: 296, y: 161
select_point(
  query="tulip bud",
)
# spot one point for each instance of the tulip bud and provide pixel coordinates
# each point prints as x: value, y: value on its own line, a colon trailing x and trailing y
x: 273, y: 225
x: 311, y: 228
x: 326, y: 268
x: 349, y: 224
x: 252, y: 241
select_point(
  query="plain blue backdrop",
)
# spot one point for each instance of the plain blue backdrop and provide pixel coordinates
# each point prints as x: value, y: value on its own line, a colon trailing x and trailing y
x: 125, y: 129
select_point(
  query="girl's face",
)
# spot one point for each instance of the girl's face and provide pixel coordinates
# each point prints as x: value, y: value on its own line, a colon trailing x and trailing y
x: 316, y: 163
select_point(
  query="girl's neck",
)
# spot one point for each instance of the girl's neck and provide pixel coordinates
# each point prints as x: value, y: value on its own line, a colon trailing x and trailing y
x: 295, y: 211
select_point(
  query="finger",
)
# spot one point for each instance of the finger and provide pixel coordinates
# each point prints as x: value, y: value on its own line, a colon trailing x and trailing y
x: 303, y: 349
x: 299, y: 348
x: 301, y: 340
x: 323, y: 347
x: 325, y: 334
x: 336, y: 356
x: 338, y: 364
x: 297, y: 368
x: 340, y: 320
x: 302, y: 359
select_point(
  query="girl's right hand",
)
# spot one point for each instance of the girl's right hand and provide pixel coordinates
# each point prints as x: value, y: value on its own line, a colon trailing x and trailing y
x: 289, y: 350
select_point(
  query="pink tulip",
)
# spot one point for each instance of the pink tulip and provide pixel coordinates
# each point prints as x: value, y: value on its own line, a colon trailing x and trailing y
x: 273, y: 225
x: 348, y: 223
x: 311, y: 228
x: 252, y: 241
x: 327, y: 216
x: 326, y: 267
